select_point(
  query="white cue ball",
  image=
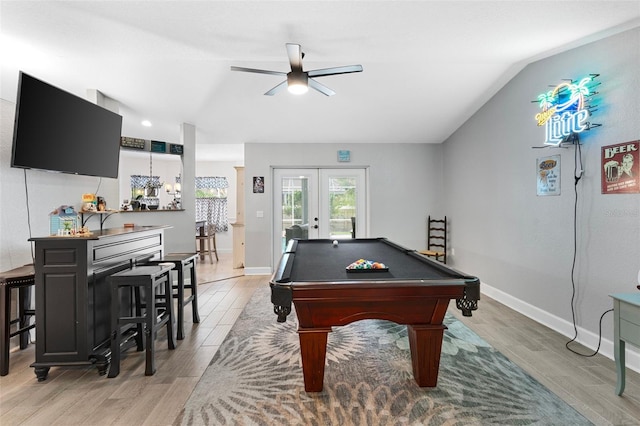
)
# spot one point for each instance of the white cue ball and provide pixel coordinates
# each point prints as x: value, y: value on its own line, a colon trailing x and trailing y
x: 335, y: 243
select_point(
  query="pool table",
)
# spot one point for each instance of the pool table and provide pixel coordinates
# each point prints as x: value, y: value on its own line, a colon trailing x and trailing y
x: 413, y: 290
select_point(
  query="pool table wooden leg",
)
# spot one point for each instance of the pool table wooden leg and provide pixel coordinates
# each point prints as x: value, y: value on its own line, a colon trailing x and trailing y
x: 425, y: 342
x: 313, y: 349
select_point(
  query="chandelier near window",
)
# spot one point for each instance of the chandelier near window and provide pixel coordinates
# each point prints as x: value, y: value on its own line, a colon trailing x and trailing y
x: 153, y: 185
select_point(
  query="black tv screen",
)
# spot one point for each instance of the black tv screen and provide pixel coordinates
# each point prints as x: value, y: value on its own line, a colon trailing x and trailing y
x: 57, y: 131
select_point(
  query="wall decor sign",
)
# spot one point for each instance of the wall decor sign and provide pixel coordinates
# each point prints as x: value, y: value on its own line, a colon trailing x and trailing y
x: 548, y: 175
x: 258, y: 184
x: 344, y: 156
x: 566, y: 109
x: 621, y: 168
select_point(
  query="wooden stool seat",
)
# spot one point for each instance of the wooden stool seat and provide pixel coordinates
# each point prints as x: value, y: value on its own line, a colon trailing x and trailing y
x: 22, y: 279
x: 145, y: 283
x: 183, y: 263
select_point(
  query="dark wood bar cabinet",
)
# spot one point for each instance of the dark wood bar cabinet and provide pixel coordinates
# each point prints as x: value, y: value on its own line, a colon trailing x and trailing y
x: 72, y: 293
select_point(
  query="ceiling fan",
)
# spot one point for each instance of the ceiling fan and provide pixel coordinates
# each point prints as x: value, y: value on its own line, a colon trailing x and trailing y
x: 299, y: 81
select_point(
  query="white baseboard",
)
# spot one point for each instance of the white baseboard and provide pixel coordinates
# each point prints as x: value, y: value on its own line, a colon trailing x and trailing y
x: 260, y: 270
x: 585, y: 337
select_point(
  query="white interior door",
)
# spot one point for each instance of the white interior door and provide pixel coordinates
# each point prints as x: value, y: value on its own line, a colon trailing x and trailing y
x: 317, y: 203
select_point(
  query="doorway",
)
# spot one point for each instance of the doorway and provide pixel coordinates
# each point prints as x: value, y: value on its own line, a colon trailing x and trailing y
x: 314, y: 203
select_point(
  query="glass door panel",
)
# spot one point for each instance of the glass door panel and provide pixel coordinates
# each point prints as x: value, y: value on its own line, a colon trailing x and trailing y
x: 342, y: 203
x: 317, y: 203
x: 295, y: 200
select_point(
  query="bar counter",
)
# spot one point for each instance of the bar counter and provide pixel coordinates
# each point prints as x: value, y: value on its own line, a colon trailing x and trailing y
x: 72, y: 294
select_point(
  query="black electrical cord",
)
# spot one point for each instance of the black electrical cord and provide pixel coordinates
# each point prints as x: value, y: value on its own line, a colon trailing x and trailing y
x: 33, y: 255
x: 577, y: 174
x: 98, y: 188
x: 26, y: 192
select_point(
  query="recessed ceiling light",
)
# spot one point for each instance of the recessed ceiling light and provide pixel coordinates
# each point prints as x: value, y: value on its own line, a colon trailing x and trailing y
x: 146, y: 123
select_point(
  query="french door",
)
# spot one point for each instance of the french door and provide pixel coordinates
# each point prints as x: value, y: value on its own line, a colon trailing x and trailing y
x: 316, y: 203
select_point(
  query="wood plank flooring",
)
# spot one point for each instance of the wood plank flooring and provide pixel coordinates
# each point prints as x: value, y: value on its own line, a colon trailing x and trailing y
x: 79, y: 396
x: 585, y: 383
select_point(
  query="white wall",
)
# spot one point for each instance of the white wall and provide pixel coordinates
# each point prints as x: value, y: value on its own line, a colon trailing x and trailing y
x: 405, y: 185
x: 20, y: 220
x: 521, y: 245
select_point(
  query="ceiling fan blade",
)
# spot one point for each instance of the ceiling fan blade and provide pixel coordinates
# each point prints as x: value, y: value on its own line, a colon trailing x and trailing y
x: 320, y: 87
x: 257, y: 71
x: 335, y: 70
x: 295, y: 56
x: 276, y: 89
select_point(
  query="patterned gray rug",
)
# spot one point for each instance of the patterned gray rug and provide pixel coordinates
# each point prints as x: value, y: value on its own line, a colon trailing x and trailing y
x: 256, y: 379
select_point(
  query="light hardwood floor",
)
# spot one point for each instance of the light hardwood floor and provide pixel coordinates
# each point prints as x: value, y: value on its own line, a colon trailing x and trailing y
x: 80, y: 396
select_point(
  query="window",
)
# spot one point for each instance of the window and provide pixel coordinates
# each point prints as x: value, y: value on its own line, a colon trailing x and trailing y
x: 211, y: 201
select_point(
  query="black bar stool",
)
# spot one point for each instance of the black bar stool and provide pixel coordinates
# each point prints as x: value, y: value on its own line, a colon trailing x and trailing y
x: 22, y: 279
x: 183, y: 263
x: 153, y: 312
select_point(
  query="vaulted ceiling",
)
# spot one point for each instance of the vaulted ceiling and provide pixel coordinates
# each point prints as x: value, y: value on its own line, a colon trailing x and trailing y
x: 428, y: 65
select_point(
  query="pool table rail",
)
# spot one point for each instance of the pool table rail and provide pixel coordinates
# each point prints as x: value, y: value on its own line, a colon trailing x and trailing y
x: 283, y: 284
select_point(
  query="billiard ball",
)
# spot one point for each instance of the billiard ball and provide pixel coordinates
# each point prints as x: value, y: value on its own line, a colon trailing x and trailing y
x: 335, y: 243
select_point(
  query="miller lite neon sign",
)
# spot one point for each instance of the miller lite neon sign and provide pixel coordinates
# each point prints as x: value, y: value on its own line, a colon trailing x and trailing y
x: 566, y: 109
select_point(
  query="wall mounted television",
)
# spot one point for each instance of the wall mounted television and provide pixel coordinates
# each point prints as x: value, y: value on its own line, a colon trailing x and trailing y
x: 57, y: 131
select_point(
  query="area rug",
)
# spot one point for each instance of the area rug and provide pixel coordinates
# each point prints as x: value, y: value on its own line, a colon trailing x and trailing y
x: 256, y: 379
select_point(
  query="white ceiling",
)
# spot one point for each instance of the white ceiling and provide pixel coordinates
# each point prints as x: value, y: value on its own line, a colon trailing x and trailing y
x: 428, y: 65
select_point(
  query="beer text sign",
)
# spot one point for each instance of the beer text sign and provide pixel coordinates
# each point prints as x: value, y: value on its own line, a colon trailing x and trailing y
x: 621, y: 168
x: 548, y: 171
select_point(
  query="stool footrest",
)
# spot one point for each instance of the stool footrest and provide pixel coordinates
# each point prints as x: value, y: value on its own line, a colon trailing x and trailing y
x: 22, y: 330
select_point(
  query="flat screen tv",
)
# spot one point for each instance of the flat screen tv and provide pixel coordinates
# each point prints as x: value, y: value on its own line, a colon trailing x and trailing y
x: 57, y: 131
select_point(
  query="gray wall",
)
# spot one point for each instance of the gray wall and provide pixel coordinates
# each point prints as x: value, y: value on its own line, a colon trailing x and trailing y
x: 521, y: 245
x: 405, y: 185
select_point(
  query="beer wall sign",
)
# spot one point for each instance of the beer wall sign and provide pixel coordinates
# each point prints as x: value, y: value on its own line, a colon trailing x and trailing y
x: 621, y: 168
x: 566, y: 109
x: 548, y: 175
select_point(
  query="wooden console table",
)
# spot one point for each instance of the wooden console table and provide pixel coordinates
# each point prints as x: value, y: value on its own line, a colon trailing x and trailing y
x: 626, y: 328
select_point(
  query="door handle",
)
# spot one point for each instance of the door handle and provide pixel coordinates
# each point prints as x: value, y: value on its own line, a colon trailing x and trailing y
x: 315, y: 227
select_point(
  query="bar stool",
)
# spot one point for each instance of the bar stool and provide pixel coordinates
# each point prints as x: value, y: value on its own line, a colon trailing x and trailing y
x: 206, y: 241
x: 22, y: 278
x: 183, y: 263
x: 154, y: 312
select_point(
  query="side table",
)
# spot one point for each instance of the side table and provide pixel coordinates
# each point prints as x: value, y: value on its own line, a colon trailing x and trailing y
x: 626, y: 328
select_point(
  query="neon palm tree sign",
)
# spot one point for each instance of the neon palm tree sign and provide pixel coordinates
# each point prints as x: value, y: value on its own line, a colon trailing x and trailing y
x: 566, y: 109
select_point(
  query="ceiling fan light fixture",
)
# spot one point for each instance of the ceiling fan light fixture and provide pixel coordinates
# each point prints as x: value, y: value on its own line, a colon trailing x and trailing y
x: 297, y: 83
